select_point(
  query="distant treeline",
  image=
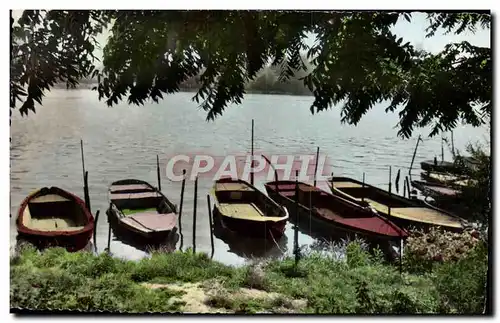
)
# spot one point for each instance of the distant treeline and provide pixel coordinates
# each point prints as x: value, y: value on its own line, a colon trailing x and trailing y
x: 266, y: 82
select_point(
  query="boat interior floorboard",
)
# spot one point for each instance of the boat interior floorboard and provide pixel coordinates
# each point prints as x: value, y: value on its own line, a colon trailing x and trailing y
x: 248, y: 211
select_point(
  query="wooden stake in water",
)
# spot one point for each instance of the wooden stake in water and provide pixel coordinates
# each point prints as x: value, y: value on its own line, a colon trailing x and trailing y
x: 83, y: 161
x: 85, y: 180
x: 158, y: 172
x: 414, y: 154
x: 404, y: 188
x: 252, y: 164
x: 210, y: 223
x: 316, y: 166
x: 397, y: 180
x: 86, y: 190
x: 95, y: 229
x: 408, y: 186
x: 296, y: 229
x: 390, y: 188
x: 194, y: 212
x: 109, y: 233
x: 180, y: 208
x: 363, y: 191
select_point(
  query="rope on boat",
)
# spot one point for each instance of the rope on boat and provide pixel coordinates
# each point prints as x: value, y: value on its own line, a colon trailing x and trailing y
x: 276, y: 243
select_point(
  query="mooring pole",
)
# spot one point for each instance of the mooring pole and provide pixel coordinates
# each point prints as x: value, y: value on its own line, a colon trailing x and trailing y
x: 83, y: 161
x: 251, y: 165
x: 316, y: 166
x: 194, y: 212
x: 397, y: 181
x: 86, y: 190
x: 296, y: 229
x: 95, y: 229
x: 390, y: 188
x: 158, y: 172
x: 180, y: 208
x: 85, y: 182
x: 363, y: 191
x: 414, y: 154
x: 210, y: 222
x: 408, y: 186
x: 404, y: 187
x: 109, y: 232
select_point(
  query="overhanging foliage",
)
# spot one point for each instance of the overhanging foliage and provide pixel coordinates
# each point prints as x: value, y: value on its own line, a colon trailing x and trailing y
x: 358, y: 61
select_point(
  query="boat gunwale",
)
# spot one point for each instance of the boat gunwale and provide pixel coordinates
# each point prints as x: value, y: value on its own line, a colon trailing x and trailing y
x: 403, y: 232
x: 23, y: 229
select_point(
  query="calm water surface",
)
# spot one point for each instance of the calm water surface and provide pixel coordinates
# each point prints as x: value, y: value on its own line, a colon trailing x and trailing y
x: 123, y: 141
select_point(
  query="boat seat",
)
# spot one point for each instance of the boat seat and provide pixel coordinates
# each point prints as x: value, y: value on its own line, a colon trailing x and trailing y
x: 241, y: 211
x: 130, y: 196
x: 129, y: 187
x: 232, y: 187
x: 347, y: 185
x: 53, y: 225
x: 151, y: 221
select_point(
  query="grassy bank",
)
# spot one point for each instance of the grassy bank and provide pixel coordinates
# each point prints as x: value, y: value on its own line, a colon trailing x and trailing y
x: 186, y: 282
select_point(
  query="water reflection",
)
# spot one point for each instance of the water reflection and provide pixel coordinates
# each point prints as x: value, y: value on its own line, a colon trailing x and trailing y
x: 249, y: 247
x: 139, y: 242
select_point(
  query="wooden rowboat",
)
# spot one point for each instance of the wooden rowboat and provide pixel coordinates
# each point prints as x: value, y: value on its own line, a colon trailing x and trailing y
x: 56, y: 218
x: 139, y: 209
x: 246, y: 210
x: 405, y: 212
x: 439, y: 166
x: 332, y: 212
x: 437, y: 191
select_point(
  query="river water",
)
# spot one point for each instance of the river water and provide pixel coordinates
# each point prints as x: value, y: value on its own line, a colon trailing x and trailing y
x: 123, y: 141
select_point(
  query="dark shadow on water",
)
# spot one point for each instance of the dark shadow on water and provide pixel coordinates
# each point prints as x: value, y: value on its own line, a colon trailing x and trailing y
x: 140, y: 243
x: 249, y: 247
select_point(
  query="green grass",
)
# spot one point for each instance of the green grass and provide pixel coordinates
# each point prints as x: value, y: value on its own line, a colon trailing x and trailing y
x: 128, y: 212
x: 360, y: 284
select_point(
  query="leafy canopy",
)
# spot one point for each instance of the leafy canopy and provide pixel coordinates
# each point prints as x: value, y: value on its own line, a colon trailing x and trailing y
x: 357, y: 61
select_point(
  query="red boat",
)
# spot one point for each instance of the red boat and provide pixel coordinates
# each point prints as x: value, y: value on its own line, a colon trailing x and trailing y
x: 53, y: 217
x: 246, y: 210
x: 331, y: 212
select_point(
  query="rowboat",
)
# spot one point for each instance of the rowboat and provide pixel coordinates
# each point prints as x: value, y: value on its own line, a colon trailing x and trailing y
x: 439, y: 166
x: 436, y: 191
x: 445, y: 179
x: 139, y: 209
x: 403, y: 211
x: 246, y: 210
x: 458, y: 167
x: 332, y: 212
x: 54, y: 217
